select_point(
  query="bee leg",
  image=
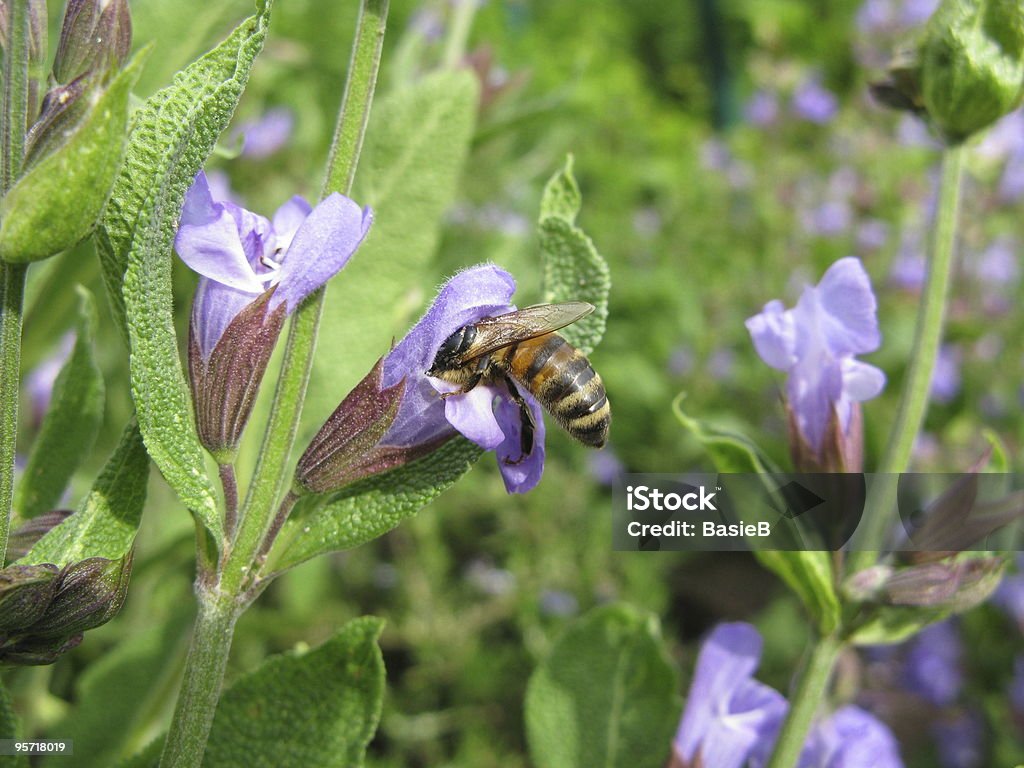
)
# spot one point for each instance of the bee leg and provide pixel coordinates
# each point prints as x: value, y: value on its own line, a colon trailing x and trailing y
x: 474, y: 379
x: 527, y: 425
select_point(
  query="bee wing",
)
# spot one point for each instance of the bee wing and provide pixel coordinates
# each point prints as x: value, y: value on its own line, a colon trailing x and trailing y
x: 502, y: 330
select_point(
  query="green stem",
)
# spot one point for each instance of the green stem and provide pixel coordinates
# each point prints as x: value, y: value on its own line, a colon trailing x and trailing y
x: 917, y: 385
x: 803, y: 704
x: 272, y: 466
x: 15, y: 95
x: 200, y: 689
x: 458, y: 32
x: 12, y: 293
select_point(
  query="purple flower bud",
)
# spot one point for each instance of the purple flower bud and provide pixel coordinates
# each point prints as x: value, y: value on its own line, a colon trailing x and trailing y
x: 96, y: 35
x: 254, y: 272
x: 64, y: 107
x: 815, y: 343
x: 729, y: 716
x: 851, y: 738
x: 933, y: 664
x: 814, y: 102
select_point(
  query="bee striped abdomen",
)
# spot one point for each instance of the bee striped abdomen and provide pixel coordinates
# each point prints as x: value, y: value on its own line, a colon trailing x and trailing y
x: 562, y: 379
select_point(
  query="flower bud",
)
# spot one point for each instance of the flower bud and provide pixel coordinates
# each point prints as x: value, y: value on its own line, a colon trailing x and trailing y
x: 25, y: 593
x: 225, y: 383
x: 36, y: 30
x: 24, y: 537
x: 972, y: 64
x: 89, y: 593
x: 62, y: 111
x: 346, y: 447
x: 96, y: 36
x: 954, y: 584
x: 866, y: 585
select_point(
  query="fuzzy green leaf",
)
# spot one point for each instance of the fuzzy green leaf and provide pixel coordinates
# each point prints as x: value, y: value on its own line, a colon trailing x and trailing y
x: 106, y: 522
x: 573, y: 269
x: 370, y: 508
x: 57, y: 202
x: 809, y: 575
x: 729, y: 451
x: 173, y: 134
x: 71, y: 424
x: 9, y: 728
x: 605, y: 696
x: 416, y: 146
x: 318, y: 708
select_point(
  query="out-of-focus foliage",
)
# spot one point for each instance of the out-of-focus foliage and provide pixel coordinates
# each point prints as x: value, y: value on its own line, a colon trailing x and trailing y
x: 712, y: 182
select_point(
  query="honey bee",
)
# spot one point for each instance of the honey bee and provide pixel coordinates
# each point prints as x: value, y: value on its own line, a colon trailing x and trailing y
x: 521, y: 349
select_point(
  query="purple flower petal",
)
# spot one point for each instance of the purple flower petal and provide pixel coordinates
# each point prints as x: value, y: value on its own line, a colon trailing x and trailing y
x: 851, y: 738
x: 214, y: 307
x: 520, y: 473
x: 472, y: 414
x: 322, y: 245
x: 208, y: 242
x: 287, y: 220
x: 851, y: 320
x: 727, y: 712
x: 774, y: 335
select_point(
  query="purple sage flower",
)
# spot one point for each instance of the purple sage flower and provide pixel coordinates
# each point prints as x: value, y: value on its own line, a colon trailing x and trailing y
x: 815, y: 343
x: 729, y: 716
x: 486, y: 414
x: 851, y: 738
x: 814, y: 102
x: 253, y: 271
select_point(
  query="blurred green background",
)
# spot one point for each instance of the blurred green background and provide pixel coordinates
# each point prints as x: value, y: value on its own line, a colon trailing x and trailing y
x: 710, y: 189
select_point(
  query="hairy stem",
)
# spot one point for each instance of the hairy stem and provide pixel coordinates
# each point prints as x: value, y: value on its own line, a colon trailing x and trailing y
x: 272, y: 466
x: 14, y: 117
x: 803, y: 704
x: 917, y: 385
x: 200, y: 689
x: 12, y: 294
x: 229, y: 484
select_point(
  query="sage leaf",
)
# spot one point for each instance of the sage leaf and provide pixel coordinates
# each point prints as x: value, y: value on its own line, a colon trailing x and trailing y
x: 71, y: 424
x: 317, y: 708
x: 607, y: 695
x: 173, y: 133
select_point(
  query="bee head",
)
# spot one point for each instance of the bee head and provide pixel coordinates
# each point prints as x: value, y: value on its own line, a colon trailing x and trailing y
x: 450, y: 352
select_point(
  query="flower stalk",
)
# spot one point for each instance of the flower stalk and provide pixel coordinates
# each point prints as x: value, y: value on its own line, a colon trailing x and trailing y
x: 810, y: 692
x: 271, y: 469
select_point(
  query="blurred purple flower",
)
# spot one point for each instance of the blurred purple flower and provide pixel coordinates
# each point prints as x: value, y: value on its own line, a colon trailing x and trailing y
x: 960, y: 740
x: 1016, y: 687
x: 763, y: 109
x: 557, y: 602
x: 605, y: 467
x: 814, y: 102
x: 1010, y: 594
x: 265, y: 135
x: 917, y: 12
x: 722, y: 364
x: 909, y: 267
x: 912, y: 132
x: 876, y: 15
x: 240, y: 254
x: 997, y: 265
x: 1005, y: 139
x: 946, y: 374
x: 829, y: 219
x: 872, y: 234
x: 489, y: 579
x: 428, y: 23
x: 932, y: 667
x: 729, y: 716
x: 40, y: 381
x: 851, y: 738
x: 680, y: 362
x: 815, y: 343
x: 487, y: 415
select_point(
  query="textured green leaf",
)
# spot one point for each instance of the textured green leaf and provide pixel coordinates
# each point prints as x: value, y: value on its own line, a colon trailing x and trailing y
x: 573, y: 269
x: 106, y: 522
x: 372, y: 507
x: 730, y: 451
x: 415, y: 149
x: 71, y: 424
x: 606, y: 696
x: 127, y: 686
x: 809, y: 575
x: 57, y: 202
x: 173, y: 134
x: 319, y: 708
